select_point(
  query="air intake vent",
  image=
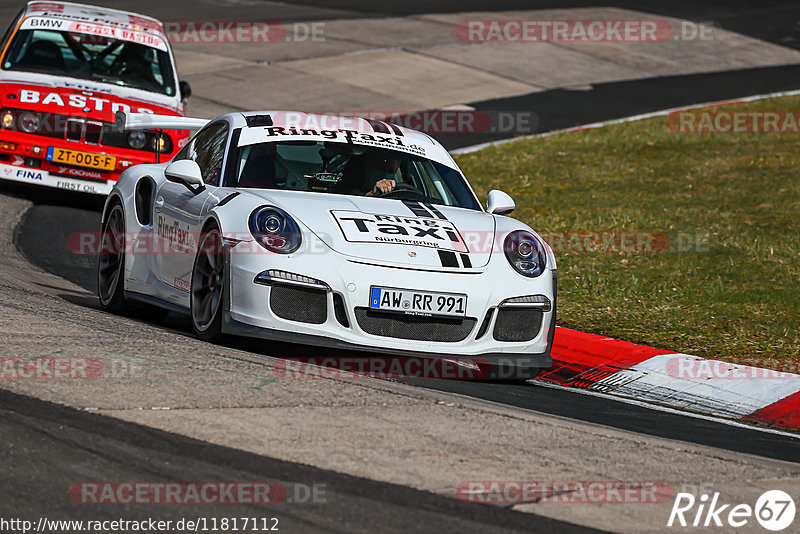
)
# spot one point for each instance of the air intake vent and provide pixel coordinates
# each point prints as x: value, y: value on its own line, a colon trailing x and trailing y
x: 517, y: 324
x: 414, y: 327
x: 299, y: 304
x: 339, y: 310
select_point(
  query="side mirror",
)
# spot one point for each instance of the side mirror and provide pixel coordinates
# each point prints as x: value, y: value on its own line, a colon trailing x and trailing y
x: 185, y: 172
x: 499, y: 203
x: 185, y: 90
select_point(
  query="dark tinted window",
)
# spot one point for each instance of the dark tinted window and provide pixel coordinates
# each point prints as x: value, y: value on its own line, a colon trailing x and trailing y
x: 207, y: 149
x: 91, y: 57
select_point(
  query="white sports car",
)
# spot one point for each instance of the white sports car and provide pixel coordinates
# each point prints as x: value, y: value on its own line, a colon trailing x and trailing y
x: 331, y: 231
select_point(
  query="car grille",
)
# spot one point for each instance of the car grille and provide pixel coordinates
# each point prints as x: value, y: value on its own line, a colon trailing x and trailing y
x: 413, y: 327
x: 299, y: 304
x: 517, y: 324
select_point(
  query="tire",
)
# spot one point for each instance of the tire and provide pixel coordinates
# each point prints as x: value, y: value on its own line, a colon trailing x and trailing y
x: 111, y: 262
x: 111, y: 268
x: 208, y: 286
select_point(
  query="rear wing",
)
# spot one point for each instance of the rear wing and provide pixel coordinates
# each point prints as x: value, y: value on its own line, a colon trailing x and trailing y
x: 125, y: 121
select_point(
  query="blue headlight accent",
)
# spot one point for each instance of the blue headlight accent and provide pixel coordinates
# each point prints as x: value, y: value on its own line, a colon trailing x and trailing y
x: 526, y: 254
x: 275, y: 230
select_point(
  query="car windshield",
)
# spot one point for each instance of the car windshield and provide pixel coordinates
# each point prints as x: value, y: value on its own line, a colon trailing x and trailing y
x: 92, y: 57
x: 349, y: 169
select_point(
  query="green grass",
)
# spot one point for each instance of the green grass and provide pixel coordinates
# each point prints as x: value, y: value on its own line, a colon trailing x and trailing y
x: 737, y: 299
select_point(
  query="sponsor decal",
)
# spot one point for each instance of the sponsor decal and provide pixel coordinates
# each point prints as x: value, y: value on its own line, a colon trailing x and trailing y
x: 75, y: 186
x: 28, y: 174
x: 75, y: 100
x: 95, y: 27
x: 177, y: 236
x: 83, y: 87
x: 392, y: 142
x: 84, y: 173
x: 358, y: 227
x: 182, y: 284
x: 36, y: 7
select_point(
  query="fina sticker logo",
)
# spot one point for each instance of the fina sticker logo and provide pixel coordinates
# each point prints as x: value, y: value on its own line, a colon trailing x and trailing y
x: 358, y: 227
x: 30, y: 175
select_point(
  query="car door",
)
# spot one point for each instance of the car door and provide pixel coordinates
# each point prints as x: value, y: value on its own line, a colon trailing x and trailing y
x: 179, y: 211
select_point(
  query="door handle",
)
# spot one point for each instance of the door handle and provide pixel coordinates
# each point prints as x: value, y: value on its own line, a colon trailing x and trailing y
x: 159, y: 204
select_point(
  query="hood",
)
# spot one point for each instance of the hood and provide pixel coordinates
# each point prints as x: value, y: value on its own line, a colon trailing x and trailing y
x: 80, y: 98
x: 391, y: 231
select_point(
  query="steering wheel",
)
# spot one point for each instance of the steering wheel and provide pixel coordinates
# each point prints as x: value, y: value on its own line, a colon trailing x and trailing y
x: 404, y: 188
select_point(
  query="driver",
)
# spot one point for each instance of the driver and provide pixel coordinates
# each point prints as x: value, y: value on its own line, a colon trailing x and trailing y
x: 380, y: 174
x: 137, y: 62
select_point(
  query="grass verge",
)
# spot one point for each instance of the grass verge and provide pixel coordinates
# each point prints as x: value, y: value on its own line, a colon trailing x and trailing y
x: 721, y: 276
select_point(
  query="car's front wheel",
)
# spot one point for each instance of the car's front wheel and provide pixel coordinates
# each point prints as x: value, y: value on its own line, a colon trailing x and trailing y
x: 208, y: 286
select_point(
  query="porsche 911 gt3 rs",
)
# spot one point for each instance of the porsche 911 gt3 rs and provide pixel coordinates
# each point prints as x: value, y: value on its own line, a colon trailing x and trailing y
x: 330, y: 231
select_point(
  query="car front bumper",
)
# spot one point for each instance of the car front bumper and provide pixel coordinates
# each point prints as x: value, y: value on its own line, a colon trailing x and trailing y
x: 347, y: 323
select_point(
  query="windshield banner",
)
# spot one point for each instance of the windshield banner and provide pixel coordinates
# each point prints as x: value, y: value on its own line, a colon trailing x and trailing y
x: 96, y: 29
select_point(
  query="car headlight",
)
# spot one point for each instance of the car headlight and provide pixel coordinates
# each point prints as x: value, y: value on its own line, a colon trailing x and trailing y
x: 8, y: 119
x: 137, y: 140
x: 161, y: 143
x: 526, y: 254
x: 29, y: 122
x: 275, y: 230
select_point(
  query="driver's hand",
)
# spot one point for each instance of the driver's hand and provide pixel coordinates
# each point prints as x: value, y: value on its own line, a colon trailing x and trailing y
x: 382, y: 187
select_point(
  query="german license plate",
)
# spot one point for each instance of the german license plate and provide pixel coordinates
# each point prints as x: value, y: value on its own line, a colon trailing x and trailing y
x: 81, y: 159
x: 412, y: 302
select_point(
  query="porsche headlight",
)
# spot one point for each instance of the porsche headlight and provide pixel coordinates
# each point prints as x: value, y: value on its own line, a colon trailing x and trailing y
x: 275, y: 230
x: 526, y: 254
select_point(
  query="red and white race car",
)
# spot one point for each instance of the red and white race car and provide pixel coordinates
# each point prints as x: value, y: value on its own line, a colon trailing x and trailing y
x: 66, y: 69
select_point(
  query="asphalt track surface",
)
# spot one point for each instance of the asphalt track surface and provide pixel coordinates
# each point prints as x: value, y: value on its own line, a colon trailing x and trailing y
x: 47, y: 223
x: 50, y: 446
